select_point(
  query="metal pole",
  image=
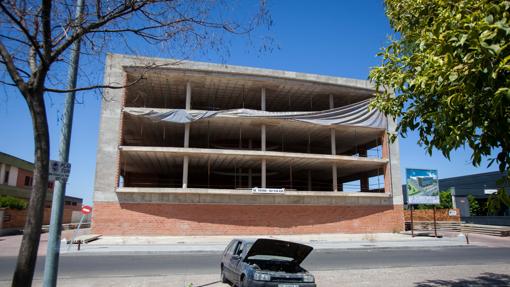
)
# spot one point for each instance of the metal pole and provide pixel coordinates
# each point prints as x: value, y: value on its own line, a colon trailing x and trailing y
x: 52, y: 254
x: 412, y: 222
x: 435, y: 228
x: 76, y: 232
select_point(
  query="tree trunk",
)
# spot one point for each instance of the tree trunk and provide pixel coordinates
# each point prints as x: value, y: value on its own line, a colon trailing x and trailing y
x: 31, y: 234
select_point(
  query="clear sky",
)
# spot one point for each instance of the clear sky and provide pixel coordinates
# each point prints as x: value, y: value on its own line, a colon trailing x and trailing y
x: 337, y: 38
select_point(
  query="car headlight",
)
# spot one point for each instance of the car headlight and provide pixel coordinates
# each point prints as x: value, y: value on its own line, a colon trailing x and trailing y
x: 308, y: 278
x: 261, y: 276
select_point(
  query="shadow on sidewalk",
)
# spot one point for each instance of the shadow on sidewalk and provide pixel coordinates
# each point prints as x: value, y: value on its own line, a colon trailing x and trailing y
x: 485, y: 279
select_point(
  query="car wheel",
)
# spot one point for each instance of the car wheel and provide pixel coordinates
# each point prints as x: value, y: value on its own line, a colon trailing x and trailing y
x: 243, y: 282
x: 223, y: 278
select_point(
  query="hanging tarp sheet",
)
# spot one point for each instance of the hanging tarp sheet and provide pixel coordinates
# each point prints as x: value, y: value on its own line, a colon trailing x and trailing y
x: 357, y: 114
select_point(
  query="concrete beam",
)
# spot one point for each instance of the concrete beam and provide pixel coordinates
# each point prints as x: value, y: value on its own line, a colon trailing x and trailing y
x: 255, y: 154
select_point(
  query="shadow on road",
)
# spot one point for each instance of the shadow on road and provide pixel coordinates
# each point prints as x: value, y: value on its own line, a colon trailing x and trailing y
x: 485, y: 279
x: 207, y: 284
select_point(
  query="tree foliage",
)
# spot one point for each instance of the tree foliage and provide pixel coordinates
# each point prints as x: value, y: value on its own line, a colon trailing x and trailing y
x: 474, y: 206
x: 12, y: 202
x: 498, y: 202
x: 446, y: 75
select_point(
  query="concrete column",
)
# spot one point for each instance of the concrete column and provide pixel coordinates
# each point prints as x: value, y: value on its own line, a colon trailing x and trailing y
x: 263, y: 99
x: 335, y: 177
x: 263, y: 174
x: 333, y: 167
x: 263, y: 139
x: 250, y: 146
x: 250, y: 185
x: 188, y: 96
x: 185, y: 172
x: 331, y: 103
x: 185, y: 162
x: 364, y: 182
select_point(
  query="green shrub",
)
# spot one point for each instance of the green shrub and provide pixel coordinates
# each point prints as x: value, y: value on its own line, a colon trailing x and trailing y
x: 12, y: 202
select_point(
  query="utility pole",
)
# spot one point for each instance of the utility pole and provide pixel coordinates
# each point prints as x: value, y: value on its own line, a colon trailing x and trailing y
x: 57, y: 207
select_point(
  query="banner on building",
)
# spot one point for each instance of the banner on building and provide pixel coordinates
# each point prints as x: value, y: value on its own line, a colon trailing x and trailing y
x: 422, y: 186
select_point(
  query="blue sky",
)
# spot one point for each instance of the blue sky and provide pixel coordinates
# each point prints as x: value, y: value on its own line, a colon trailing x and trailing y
x: 337, y: 38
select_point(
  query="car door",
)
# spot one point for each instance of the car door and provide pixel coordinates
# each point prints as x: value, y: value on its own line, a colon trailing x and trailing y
x: 235, y: 261
x: 226, y: 259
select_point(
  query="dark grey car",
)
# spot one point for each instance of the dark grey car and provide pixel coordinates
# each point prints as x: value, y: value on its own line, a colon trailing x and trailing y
x: 265, y: 262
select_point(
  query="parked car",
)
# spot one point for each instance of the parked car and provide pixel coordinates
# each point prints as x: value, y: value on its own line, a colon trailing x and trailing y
x: 265, y: 262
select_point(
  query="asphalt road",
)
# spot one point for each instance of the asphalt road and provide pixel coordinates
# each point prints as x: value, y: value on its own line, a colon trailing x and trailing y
x: 109, y: 265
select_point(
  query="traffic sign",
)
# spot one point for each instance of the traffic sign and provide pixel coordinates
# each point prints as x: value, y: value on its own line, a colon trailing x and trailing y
x: 86, y: 209
x: 59, y: 170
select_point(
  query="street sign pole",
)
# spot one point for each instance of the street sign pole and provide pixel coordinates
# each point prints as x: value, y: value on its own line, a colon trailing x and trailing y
x: 412, y: 222
x: 52, y: 254
x: 84, y: 211
x: 435, y: 228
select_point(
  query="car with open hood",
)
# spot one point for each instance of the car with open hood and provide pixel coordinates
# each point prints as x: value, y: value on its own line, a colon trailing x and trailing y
x: 265, y: 262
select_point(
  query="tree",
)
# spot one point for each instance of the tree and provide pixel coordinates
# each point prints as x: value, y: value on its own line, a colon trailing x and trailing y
x: 474, y: 206
x: 447, y: 75
x: 36, y: 37
x: 498, y: 202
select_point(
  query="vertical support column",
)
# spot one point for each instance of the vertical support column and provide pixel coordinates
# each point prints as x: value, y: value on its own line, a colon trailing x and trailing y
x: 333, y: 149
x: 364, y: 183
x: 185, y: 162
x: 385, y: 155
x: 263, y: 139
x: 250, y: 182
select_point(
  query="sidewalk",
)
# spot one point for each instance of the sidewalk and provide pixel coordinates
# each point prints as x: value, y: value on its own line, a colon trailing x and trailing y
x: 187, y: 244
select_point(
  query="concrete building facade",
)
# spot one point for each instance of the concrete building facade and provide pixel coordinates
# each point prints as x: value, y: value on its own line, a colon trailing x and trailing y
x: 190, y: 148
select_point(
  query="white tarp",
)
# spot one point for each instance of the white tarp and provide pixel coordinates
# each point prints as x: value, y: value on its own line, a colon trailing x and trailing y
x: 357, y: 114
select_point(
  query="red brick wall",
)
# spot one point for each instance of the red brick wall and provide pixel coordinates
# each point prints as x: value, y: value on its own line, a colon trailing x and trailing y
x: 20, y: 182
x: 428, y: 215
x: 211, y: 219
x: 14, y: 218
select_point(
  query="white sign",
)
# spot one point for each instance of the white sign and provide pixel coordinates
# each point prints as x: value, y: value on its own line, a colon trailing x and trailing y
x: 422, y: 186
x: 59, y: 170
x: 267, y: 190
x: 490, y: 191
x: 452, y: 212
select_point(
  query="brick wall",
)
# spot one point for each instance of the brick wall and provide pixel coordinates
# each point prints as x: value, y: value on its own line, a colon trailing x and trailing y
x: 20, y: 182
x: 14, y: 218
x: 428, y: 215
x: 218, y: 219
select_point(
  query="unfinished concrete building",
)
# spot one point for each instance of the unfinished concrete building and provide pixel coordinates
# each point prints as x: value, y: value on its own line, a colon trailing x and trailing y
x: 191, y: 148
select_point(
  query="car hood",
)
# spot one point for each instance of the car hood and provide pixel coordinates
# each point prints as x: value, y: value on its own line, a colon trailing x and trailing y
x: 273, y: 247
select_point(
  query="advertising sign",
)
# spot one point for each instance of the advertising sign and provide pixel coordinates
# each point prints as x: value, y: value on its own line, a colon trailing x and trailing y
x: 422, y: 186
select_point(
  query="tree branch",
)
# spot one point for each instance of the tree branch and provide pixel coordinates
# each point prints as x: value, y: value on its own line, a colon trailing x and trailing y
x: 95, y: 87
x: 46, y: 28
x: 13, y: 71
x: 23, y: 29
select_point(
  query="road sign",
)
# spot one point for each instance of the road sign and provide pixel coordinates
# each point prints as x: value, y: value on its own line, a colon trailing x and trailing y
x: 86, y: 209
x: 59, y: 170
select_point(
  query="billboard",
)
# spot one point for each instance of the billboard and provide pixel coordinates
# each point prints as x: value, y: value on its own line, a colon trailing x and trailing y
x: 422, y: 186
